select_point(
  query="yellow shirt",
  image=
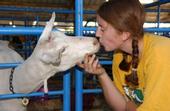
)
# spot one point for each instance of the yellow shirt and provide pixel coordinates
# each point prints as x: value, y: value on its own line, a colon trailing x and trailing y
x: 153, y: 73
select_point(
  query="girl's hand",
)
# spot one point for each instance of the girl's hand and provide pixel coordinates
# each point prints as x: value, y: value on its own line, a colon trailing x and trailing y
x: 91, y: 65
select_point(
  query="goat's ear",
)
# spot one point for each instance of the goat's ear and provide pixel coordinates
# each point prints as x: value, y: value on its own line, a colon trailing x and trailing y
x: 46, y: 34
x: 50, y: 57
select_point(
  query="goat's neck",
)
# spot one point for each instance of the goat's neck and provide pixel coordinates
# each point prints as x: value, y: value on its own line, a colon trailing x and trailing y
x: 30, y: 75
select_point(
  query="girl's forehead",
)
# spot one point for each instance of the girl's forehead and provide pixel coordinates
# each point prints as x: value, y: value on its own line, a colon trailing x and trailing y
x: 101, y: 22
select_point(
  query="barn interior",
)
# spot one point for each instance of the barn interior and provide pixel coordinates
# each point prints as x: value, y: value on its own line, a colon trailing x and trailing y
x: 35, y: 13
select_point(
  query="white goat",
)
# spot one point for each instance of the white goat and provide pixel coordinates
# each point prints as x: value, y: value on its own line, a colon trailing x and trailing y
x: 53, y: 53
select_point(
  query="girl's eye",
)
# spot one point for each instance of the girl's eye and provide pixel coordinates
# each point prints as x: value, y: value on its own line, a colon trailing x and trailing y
x: 102, y: 29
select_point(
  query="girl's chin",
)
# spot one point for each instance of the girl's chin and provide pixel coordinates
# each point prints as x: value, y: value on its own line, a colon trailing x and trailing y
x: 107, y: 49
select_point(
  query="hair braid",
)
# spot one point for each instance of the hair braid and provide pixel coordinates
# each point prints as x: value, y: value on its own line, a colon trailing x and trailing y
x: 125, y: 65
x: 133, y: 78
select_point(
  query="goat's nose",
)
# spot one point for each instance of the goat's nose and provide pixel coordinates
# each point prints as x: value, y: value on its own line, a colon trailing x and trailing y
x: 97, y: 38
x: 95, y: 42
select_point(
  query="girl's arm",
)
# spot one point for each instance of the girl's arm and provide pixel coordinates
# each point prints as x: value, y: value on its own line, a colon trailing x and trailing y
x: 113, y: 97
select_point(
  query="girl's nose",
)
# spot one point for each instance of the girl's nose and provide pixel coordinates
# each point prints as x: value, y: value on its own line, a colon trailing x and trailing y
x: 98, y: 33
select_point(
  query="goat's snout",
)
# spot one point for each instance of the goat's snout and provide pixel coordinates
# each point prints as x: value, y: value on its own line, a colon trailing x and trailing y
x: 95, y: 42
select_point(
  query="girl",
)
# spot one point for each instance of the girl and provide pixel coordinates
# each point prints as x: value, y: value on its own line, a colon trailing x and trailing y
x: 140, y: 62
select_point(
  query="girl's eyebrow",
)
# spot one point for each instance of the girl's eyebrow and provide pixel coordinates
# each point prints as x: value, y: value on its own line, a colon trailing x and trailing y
x: 100, y: 25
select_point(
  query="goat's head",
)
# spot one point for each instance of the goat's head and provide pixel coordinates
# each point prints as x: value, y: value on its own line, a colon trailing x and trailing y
x: 56, y: 48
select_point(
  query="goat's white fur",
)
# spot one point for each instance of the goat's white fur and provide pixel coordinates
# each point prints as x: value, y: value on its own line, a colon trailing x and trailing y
x: 53, y: 53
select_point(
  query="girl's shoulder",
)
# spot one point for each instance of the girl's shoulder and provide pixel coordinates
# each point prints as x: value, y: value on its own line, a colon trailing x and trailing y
x: 156, y: 45
x: 154, y: 37
x: 156, y: 41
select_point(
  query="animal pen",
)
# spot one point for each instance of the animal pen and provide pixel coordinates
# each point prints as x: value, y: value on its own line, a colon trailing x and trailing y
x: 66, y: 88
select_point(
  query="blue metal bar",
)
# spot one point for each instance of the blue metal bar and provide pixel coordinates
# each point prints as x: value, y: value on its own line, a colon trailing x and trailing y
x: 66, y: 96
x: 21, y: 30
x: 79, y: 90
x: 8, y: 65
x: 89, y: 12
x: 160, y: 22
x: 79, y: 75
x: 34, y: 9
x: 153, y: 10
x: 157, y: 29
x: 48, y: 10
x: 158, y: 14
x: 156, y: 3
x: 89, y: 28
x: 78, y: 17
x: 19, y: 95
x: 92, y: 90
x: 104, y: 62
x: 38, y: 30
x: 32, y: 19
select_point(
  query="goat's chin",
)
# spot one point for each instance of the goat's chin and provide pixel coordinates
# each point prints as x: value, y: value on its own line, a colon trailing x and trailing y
x: 94, y: 51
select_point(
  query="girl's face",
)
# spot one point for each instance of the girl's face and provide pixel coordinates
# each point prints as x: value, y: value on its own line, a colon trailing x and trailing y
x: 109, y: 37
